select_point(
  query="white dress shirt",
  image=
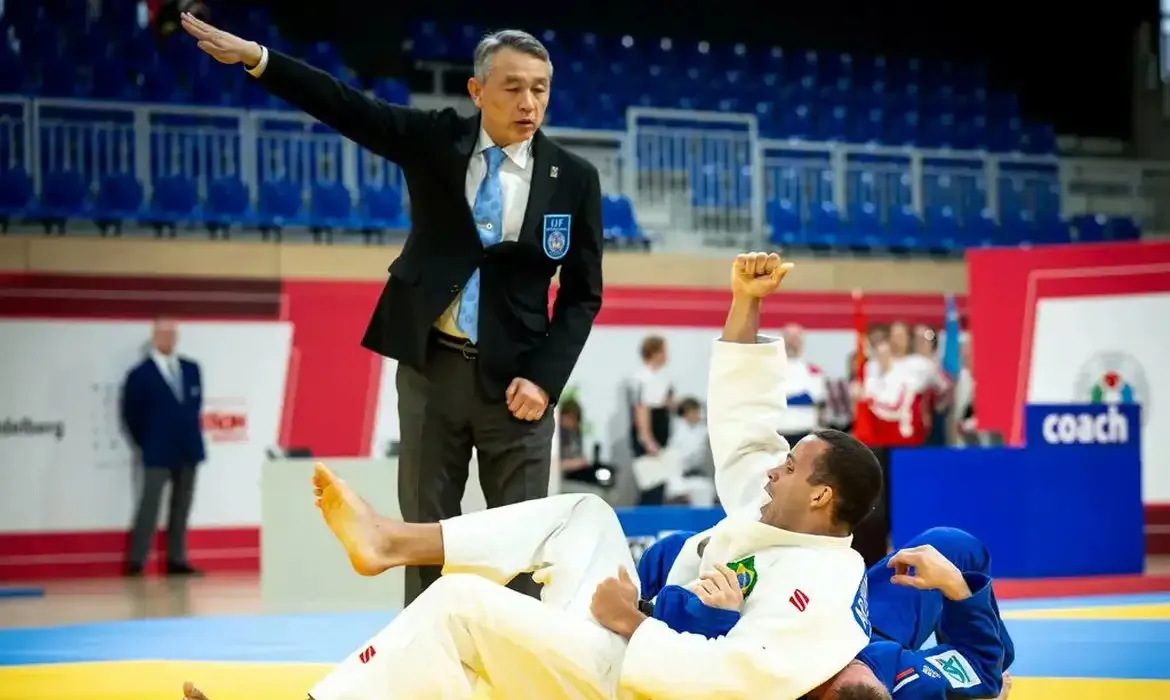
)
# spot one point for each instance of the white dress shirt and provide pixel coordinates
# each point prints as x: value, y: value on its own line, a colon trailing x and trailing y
x: 515, y: 181
x: 171, y: 370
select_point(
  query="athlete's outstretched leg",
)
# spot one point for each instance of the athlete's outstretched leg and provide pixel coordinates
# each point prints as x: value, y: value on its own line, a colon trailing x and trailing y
x: 570, y: 543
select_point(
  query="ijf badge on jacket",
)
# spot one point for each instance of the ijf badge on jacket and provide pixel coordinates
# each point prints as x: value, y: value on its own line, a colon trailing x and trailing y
x: 556, y: 235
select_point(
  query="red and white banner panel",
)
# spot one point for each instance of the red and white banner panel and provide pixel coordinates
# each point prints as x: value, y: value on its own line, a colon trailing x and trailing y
x: 282, y: 366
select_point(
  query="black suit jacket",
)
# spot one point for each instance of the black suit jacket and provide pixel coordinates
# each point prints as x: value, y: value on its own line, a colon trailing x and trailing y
x: 516, y: 337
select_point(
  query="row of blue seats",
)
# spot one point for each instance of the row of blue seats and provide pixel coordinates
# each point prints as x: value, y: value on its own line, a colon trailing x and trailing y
x: 440, y: 42
x: 228, y: 204
x: 120, y: 199
x: 939, y: 230
x: 811, y: 95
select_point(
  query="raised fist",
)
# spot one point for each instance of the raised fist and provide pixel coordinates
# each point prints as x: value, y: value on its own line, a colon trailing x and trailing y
x: 757, y: 275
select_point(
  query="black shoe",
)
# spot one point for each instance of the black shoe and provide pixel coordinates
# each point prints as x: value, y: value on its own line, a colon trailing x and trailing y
x: 176, y: 569
x: 133, y: 571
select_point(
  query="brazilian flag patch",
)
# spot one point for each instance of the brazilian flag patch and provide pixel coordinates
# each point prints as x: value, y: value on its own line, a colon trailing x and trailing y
x: 745, y: 572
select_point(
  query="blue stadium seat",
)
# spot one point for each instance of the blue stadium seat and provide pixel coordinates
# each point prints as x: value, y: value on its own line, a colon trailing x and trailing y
x: 1088, y: 228
x: 392, y: 91
x: 618, y: 223
x: 64, y: 196
x: 281, y: 205
x: 825, y: 227
x: 864, y: 230
x: 119, y: 199
x: 228, y: 204
x: 12, y: 76
x: 380, y: 209
x: 784, y: 221
x: 981, y: 231
x: 942, y: 231
x: 331, y: 208
x: 1099, y: 228
x: 906, y: 228
x: 16, y: 196
x: 1122, y: 228
x: 58, y: 77
x: 174, y: 201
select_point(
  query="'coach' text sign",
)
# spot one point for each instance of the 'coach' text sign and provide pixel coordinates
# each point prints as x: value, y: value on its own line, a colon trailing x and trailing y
x: 1083, y: 424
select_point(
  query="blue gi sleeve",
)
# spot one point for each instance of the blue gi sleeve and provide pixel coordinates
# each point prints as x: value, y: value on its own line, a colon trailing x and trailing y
x: 970, y: 664
x: 682, y: 611
x: 654, y: 566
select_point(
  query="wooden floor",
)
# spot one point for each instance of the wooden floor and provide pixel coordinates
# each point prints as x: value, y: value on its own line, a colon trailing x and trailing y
x: 106, y: 600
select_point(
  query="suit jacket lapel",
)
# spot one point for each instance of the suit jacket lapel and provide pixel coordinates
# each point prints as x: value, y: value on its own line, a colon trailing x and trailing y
x: 544, y: 160
x: 465, y: 146
x: 167, y: 381
x: 465, y: 150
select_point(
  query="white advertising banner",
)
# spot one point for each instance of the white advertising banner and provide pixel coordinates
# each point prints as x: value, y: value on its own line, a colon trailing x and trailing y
x: 61, y: 441
x: 1109, y: 349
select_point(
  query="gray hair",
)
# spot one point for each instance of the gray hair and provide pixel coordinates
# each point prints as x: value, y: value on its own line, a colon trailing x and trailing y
x: 507, y: 39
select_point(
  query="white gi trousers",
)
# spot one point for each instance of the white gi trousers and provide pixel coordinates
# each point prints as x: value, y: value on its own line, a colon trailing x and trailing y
x: 467, y: 627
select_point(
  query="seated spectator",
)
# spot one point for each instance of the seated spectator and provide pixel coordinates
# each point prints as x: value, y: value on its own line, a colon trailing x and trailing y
x: 693, y: 483
x: 576, y: 468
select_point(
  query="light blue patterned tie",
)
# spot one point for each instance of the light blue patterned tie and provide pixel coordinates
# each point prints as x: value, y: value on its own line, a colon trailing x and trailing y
x: 489, y: 221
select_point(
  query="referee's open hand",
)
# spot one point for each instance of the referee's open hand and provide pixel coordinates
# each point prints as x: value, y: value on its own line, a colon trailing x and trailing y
x: 526, y: 400
x: 220, y: 45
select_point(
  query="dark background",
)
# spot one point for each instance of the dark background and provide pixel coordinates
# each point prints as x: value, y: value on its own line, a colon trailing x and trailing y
x: 1070, y: 64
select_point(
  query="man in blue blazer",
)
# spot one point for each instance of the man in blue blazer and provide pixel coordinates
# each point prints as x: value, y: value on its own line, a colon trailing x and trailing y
x: 162, y: 400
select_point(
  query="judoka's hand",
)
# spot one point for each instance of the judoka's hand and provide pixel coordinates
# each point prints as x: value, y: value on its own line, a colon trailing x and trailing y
x: 526, y: 401
x: 1007, y: 686
x: 718, y: 589
x: 220, y: 45
x: 926, y: 569
x: 615, y: 604
x: 756, y: 275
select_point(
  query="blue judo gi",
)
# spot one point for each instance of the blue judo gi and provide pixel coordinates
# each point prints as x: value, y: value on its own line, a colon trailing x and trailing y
x: 973, y: 648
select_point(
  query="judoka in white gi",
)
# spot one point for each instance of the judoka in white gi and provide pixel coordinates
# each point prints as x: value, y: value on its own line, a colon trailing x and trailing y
x: 786, y: 538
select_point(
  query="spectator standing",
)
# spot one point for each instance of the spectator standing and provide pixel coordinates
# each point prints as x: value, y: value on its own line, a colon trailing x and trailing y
x: 805, y: 387
x: 963, y: 406
x: 937, y: 389
x: 162, y: 400
x: 652, y: 401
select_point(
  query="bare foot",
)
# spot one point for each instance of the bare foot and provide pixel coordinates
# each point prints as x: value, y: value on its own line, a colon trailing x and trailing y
x: 190, y: 692
x: 361, y: 531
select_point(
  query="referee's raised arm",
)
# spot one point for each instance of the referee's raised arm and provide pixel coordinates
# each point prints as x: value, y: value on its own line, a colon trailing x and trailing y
x: 399, y: 134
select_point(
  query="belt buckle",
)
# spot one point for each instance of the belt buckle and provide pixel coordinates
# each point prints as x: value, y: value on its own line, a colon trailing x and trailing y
x: 465, y: 350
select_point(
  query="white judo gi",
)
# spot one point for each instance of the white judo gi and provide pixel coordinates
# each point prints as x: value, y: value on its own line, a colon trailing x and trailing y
x: 803, y: 619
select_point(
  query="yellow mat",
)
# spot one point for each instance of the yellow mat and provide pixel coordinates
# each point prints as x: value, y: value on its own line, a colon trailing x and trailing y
x: 151, y: 680
x: 1153, y: 611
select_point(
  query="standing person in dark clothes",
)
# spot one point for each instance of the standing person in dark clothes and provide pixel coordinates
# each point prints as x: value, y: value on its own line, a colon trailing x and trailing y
x: 497, y: 209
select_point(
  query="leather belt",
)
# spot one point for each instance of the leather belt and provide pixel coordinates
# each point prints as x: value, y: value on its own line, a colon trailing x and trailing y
x: 455, y: 344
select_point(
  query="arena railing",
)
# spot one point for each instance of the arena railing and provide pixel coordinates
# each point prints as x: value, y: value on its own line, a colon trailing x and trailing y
x: 710, y: 174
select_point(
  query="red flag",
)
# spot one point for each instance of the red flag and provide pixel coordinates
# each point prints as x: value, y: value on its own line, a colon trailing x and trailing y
x: 863, y: 428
